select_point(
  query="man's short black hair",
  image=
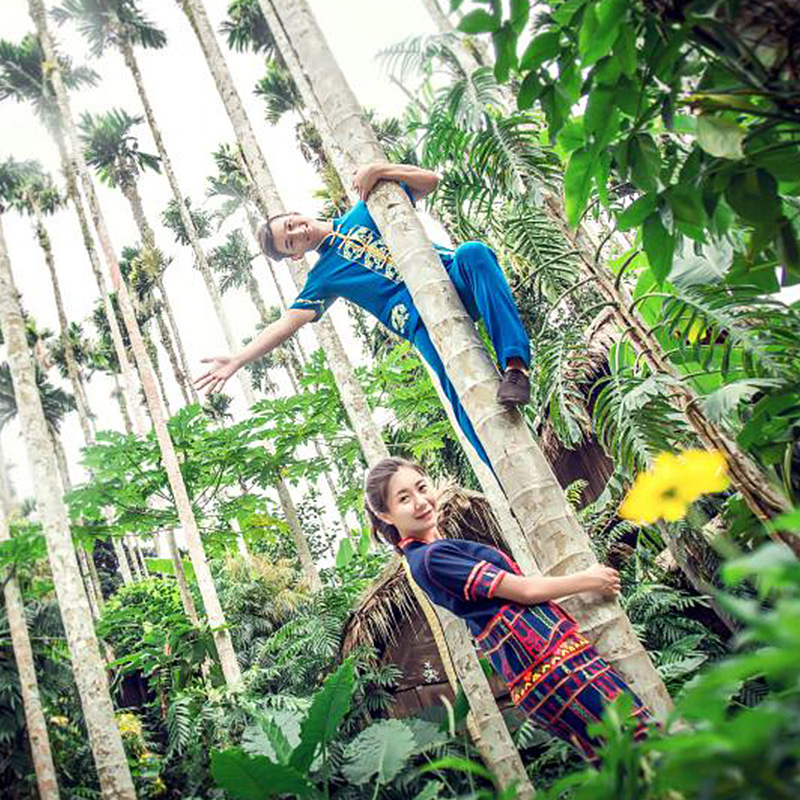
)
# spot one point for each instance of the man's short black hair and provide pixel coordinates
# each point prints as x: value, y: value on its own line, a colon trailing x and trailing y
x: 266, y: 239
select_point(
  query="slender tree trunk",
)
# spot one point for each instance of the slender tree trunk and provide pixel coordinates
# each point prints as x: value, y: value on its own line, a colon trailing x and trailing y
x: 93, y: 593
x: 123, y: 408
x: 131, y: 193
x: 213, y: 608
x: 69, y: 353
x: 87, y: 663
x: 301, y: 545
x: 485, y: 723
x: 122, y: 561
x: 350, y: 391
x: 166, y: 343
x: 186, y: 370
x: 183, y: 582
x: 552, y: 529
x: 43, y: 765
x: 128, y: 383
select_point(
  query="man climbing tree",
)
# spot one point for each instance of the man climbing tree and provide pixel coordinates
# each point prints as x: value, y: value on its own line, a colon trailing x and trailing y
x: 355, y: 263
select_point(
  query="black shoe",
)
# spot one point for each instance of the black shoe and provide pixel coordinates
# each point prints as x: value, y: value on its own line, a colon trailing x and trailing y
x: 515, y: 388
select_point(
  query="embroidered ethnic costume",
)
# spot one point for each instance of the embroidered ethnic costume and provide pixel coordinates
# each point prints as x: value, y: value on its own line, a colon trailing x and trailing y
x: 355, y: 263
x: 554, y: 674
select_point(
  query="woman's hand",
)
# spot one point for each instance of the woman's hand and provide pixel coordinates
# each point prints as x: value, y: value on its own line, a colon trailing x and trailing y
x: 222, y: 369
x: 603, y: 579
x: 366, y: 177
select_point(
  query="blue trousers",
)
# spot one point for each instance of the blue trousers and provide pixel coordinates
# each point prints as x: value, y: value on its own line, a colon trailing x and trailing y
x: 484, y: 291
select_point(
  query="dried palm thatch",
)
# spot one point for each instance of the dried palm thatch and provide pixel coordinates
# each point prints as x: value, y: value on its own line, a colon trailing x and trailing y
x: 389, y: 602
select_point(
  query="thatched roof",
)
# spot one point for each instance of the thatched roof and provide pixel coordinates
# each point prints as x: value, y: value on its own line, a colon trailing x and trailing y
x: 389, y: 601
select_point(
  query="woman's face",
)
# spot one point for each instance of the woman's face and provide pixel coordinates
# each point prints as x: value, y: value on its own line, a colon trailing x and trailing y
x: 411, y: 503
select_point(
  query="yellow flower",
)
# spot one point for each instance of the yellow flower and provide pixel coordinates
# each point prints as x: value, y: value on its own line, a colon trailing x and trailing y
x: 129, y: 725
x: 666, y: 490
x: 61, y: 722
x: 703, y: 472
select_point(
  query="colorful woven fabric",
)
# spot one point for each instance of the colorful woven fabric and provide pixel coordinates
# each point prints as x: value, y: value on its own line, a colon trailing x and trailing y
x: 555, y: 676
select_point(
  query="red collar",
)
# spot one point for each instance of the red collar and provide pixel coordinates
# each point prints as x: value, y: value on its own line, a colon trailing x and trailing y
x: 409, y: 539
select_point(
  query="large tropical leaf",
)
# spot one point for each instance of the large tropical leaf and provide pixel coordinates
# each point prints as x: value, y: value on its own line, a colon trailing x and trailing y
x: 255, y: 777
x: 327, y: 711
x: 380, y: 752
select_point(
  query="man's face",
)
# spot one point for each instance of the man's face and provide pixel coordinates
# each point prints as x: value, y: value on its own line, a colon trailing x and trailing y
x: 292, y: 234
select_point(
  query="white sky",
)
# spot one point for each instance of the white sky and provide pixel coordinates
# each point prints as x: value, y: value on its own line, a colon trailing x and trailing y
x: 193, y: 123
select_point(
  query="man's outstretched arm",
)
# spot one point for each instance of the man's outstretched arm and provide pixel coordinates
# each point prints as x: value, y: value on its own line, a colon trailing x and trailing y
x: 273, y: 335
x: 421, y: 181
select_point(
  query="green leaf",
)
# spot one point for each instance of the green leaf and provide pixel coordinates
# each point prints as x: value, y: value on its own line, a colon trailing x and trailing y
x: 625, y: 51
x: 327, y: 711
x: 530, y: 89
x: 769, y: 558
x: 566, y: 11
x: 430, y: 791
x: 720, y: 137
x: 255, y: 777
x: 542, y: 48
x: 637, y: 212
x: 505, y: 48
x: 686, y: 204
x: 602, y: 171
x: 458, y: 764
x: 753, y: 194
x: 572, y: 135
x: 379, y: 751
x: 601, y: 25
x: 478, y: 21
x: 787, y: 247
x: 577, y: 184
x: 520, y: 11
x: 556, y: 106
x: 344, y: 555
x: 644, y: 161
x: 659, y: 244
x: 601, y: 118
x: 723, y: 402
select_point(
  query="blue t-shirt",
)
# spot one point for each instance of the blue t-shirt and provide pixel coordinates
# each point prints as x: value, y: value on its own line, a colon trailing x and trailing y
x: 356, y: 264
x: 463, y: 577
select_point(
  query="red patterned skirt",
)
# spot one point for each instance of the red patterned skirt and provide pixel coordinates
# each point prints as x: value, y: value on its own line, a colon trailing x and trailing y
x: 567, y: 691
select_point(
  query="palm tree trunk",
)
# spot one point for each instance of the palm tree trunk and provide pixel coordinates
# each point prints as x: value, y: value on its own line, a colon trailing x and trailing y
x: 180, y: 370
x: 186, y: 370
x: 183, y: 582
x: 350, y: 391
x: 93, y: 592
x: 301, y: 545
x: 318, y: 449
x: 87, y: 663
x: 166, y: 343
x: 128, y: 382
x: 69, y: 353
x: 230, y: 666
x: 216, y: 299
x: 123, y: 408
x: 558, y: 542
x: 485, y: 723
x: 122, y: 561
x: 43, y: 765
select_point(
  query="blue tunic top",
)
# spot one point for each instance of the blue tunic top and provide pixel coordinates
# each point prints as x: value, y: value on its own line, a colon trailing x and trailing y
x: 463, y: 577
x: 355, y: 263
